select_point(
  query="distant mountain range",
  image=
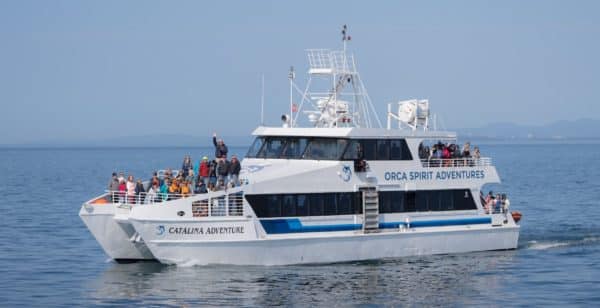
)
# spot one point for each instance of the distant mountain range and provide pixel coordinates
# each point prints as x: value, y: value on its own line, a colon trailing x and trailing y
x: 561, y: 130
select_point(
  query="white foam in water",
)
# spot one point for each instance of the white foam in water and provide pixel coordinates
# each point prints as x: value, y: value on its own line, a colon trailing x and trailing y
x: 535, y: 245
x: 554, y: 244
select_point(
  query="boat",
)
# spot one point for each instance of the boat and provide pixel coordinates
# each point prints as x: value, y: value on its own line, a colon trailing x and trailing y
x: 331, y: 184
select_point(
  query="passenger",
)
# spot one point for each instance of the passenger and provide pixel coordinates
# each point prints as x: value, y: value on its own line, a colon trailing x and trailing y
x: 212, y: 173
x: 174, y: 190
x: 113, y: 188
x: 222, y: 170
x: 152, y: 194
x: 488, y: 201
x: 220, y: 185
x: 122, y: 191
x: 505, y: 203
x: 130, y: 189
x: 121, y: 177
x: 498, y: 204
x: 234, y: 170
x: 164, y: 190
x: 220, y: 147
x: 139, y: 191
x: 211, y: 186
x: 466, y: 150
x: 200, y: 187
x: 185, y: 189
x: 476, y: 153
x: 154, y: 176
x: 446, y: 155
x: 186, y: 165
x: 191, y: 179
x: 204, y: 169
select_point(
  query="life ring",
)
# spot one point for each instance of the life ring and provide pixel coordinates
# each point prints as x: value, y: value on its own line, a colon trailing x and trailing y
x: 516, y: 215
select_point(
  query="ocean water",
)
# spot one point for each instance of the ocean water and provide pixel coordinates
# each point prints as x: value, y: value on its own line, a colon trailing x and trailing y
x: 48, y: 258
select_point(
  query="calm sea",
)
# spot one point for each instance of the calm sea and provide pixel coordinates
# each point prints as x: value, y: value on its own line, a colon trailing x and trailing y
x: 48, y: 258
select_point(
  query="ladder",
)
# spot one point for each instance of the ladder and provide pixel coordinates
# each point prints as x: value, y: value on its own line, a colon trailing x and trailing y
x: 370, y: 200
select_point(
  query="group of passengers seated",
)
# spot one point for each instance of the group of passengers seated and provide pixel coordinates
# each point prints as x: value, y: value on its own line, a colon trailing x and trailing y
x: 449, y: 155
x: 495, y: 204
x: 204, y: 176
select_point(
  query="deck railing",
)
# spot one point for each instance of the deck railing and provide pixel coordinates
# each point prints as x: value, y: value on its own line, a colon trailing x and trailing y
x: 456, y: 162
x: 216, y: 203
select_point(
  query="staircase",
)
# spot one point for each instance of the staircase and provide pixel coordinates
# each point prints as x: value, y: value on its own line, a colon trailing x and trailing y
x: 370, y: 199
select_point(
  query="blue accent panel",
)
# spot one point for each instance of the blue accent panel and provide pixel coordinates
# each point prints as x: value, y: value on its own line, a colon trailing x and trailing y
x: 294, y: 225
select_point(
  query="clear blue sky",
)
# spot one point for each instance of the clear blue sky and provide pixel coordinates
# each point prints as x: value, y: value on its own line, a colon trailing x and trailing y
x: 74, y: 70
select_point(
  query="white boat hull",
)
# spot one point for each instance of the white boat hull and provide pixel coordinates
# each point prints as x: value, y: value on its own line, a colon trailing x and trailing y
x: 330, y: 246
x: 113, y: 234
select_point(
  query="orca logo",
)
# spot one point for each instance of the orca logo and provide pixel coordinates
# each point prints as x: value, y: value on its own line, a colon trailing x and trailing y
x: 346, y: 174
x: 160, y: 230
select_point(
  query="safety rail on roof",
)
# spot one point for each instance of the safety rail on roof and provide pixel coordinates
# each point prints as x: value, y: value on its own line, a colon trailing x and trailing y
x: 216, y: 203
x: 456, y: 162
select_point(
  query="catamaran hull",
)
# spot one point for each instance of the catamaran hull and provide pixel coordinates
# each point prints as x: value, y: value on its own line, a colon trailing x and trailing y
x: 330, y: 247
x: 113, y: 234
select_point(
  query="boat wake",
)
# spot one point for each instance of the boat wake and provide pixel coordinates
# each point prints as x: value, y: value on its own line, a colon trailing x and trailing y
x: 544, y: 245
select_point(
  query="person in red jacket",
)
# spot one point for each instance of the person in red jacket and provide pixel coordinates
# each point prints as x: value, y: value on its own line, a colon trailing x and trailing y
x: 204, y: 170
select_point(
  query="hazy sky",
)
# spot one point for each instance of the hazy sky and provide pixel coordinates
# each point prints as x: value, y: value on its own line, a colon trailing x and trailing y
x: 80, y: 69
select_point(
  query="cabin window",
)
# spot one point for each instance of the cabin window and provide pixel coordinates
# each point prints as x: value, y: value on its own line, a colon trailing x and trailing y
x: 325, y: 149
x: 299, y: 205
x: 354, y: 150
x: 272, y: 147
x: 399, y: 150
x: 294, y: 148
x: 383, y: 150
x: 369, y: 148
x: 255, y: 147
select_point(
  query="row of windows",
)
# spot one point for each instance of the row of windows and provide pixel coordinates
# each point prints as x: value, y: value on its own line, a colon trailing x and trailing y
x: 350, y: 203
x: 288, y: 205
x: 425, y: 201
x: 329, y: 148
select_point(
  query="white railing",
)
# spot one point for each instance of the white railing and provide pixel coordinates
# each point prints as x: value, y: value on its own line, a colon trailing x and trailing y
x: 223, y: 205
x: 456, y: 162
x: 218, y: 203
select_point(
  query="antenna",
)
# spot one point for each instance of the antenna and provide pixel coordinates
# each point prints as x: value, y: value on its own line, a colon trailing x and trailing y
x: 262, y: 100
x: 291, y: 76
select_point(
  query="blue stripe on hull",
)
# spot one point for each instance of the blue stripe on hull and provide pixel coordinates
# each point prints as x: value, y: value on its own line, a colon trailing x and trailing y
x: 294, y: 225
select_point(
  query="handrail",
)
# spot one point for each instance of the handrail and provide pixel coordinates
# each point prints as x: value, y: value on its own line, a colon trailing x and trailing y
x: 213, y: 203
x: 456, y: 162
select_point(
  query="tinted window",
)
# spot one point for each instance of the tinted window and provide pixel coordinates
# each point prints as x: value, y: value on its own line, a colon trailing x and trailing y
x: 273, y: 206
x: 399, y: 150
x: 344, y: 204
x: 325, y: 149
x: 383, y: 150
x: 294, y: 148
x: 272, y: 147
x: 288, y: 207
x: 316, y: 205
x: 330, y: 203
x: 370, y: 149
x: 354, y: 150
x: 255, y: 147
x: 302, y: 205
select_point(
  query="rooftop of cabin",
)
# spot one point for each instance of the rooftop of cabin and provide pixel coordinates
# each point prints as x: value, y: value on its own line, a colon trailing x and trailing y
x: 351, y: 132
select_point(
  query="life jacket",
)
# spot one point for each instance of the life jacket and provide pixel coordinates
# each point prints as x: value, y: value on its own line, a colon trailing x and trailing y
x: 173, y: 189
x: 185, y: 190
